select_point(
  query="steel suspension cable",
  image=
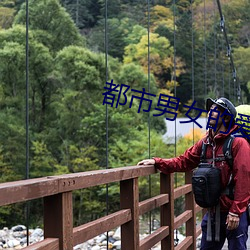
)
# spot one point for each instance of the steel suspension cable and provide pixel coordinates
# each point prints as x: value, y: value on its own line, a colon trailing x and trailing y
x: 174, y: 59
x: 205, y: 50
x: 192, y: 74
x: 149, y: 122
x: 107, y: 121
x: 223, y: 79
x: 77, y: 13
x: 174, y: 79
x: 229, y: 83
x: 27, y: 207
x: 215, y: 52
x: 221, y: 49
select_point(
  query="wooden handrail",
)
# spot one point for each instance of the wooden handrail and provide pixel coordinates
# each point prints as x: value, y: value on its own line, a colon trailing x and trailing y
x: 58, y: 208
x: 24, y: 190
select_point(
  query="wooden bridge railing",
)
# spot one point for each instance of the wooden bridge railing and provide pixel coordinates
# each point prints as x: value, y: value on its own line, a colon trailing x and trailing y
x: 56, y: 192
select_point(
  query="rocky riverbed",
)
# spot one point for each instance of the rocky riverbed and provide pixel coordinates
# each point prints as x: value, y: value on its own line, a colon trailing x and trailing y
x: 16, y: 238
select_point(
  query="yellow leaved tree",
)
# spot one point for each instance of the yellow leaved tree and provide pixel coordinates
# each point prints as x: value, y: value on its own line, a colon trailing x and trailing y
x: 160, y: 55
x: 161, y: 16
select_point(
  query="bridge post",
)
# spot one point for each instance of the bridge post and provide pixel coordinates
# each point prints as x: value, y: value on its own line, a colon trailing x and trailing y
x: 129, y: 198
x: 190, y: 205
x: 167, y: 210
x: 58, y: 219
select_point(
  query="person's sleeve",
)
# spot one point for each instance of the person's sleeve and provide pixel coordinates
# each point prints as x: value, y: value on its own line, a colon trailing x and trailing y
x: 185, y: 162
x: 241, y: 174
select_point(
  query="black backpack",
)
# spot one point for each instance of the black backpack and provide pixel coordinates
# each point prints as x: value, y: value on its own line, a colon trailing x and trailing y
x: 206, y: 179
x: 207, y: 189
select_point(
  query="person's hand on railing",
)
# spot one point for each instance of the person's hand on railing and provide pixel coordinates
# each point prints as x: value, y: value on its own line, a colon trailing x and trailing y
x: 146, y: 162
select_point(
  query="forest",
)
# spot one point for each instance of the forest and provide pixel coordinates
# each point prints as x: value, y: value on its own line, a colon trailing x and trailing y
x: 76, y: 47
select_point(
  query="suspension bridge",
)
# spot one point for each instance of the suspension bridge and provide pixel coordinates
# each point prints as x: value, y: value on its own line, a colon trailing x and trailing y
x: 56, y: 192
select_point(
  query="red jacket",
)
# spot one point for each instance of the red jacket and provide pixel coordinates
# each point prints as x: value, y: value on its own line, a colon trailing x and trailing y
x: 241, y: 167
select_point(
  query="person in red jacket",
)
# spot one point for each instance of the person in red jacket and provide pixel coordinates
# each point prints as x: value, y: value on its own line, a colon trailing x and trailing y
x: 233, y: 212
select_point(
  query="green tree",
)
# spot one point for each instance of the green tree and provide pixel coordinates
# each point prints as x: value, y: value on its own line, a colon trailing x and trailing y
x: 133, y: 75
x: 12, y: 108
x: 117, y: 32
x: 13, y: 148
x: 84, y: 13
x: 77, y: 73
x: 128, y: 152
x: 237, y: 21
x: 53, y: 25
x: 13, y: 60
x: 241, y: 56
x: 42, y: 163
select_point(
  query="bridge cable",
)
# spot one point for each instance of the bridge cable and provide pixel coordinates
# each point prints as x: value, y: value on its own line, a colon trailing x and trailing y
x: 220, y: 65
x: 215, y: 52
x: 27, y: 204
x: 229, y: 83
x: 222, y: 68
x: 192, y: 73
x: 107, y: 125
x: 229, y: 54
x: 149, y: 122
x: 174, y: 72
x: 205, y: 49
x: 174, y: 79
x: 77, y: 13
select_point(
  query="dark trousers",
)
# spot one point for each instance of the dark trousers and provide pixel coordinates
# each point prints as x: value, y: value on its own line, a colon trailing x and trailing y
x: 237, y: 238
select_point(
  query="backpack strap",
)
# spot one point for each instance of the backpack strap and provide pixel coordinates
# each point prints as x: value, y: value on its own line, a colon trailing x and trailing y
x: 203, y: 152
x: 227, y: 148
x: 217, y: 222
x: 227, y: 151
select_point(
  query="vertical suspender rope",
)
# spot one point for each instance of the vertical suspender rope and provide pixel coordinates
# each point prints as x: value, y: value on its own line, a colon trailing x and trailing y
x: 192, y: 28
x: 222, y: 69
x: 235, y: 90
x: 174, y: 78
x: 77, y: 13
x: 205, y: 51
x: 27, y: 113
x: 229, y: 83
x: 174, y: 75
x: 149, y: 153
x: 215, y: 52
x: 221, y: 49
x: 106, y: 75
x: 223, y: 79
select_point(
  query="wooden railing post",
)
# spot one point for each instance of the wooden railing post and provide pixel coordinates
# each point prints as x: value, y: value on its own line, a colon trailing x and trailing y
x: 190, y: 205
x: 58, y: 219
x: 167, y: 210
x: 129, y: 198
